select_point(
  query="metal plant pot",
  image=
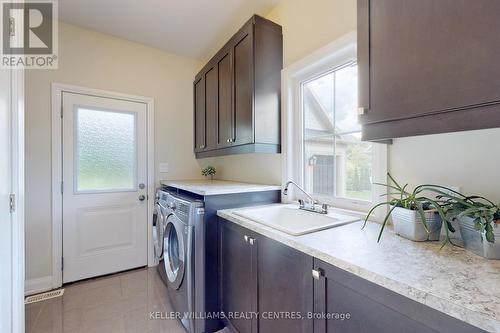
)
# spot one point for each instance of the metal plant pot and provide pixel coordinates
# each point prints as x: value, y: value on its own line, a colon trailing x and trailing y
x: 454, y: 237
x: 408, y: 224
x: 477, y: 243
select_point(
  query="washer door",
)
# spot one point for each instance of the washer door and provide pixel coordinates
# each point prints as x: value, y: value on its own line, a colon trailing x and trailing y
x: 158, y: 232
x: 173, y: 251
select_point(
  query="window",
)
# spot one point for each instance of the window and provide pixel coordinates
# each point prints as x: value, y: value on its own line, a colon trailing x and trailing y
x: 324, y: 151
x: 336, y: 162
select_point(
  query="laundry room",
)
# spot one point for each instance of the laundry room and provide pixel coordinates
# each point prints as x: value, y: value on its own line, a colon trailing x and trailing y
x: 235, y: 166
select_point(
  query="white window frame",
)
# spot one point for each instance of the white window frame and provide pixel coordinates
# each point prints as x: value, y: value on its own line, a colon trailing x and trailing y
x: 334, y: 55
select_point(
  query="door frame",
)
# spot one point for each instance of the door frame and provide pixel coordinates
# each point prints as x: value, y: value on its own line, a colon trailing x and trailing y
x: 57, y: 205
x: 18, y: 216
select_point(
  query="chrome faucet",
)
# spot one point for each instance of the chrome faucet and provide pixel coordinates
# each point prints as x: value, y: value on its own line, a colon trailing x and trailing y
x: 311, y: 205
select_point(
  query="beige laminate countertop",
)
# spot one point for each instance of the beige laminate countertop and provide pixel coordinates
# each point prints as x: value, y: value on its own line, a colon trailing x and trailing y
x: 451, y: 280
x: 216, y: 187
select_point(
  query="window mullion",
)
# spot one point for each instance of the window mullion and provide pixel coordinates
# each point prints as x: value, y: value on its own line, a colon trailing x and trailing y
x: 334, y: 194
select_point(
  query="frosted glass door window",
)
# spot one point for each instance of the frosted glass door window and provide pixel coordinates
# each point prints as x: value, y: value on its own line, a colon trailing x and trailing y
x: 105, y: 150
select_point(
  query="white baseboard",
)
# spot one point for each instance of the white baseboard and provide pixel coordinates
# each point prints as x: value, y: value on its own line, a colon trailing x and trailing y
x: 38, y: 285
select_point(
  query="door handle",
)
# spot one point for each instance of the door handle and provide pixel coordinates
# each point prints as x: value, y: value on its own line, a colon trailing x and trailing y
x: 142, y: 197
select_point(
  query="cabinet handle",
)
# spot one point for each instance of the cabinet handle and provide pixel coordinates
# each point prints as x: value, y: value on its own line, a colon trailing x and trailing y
x: 362, y: 111
x: 317, y: 273
x: 246, y: 238
x: 202, y: 146
x: 251, y: 240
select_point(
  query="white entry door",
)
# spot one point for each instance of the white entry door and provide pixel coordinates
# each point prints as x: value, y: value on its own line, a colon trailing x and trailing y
x: 104, y: 185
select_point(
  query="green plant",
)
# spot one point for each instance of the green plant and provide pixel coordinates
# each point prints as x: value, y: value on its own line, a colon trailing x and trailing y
x: 208, y: 171
x: 483, y: 211
x: 413, y: 200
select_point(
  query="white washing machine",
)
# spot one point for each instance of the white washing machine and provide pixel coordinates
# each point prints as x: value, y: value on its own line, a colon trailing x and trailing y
x: 182, y: 214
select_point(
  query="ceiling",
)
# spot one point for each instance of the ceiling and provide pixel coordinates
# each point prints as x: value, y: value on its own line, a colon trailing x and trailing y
x: 193, y: 28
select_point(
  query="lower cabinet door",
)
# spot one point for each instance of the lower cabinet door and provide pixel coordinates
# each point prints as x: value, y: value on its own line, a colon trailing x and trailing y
x: 345, y: 303
x: 285, y: 288
x: 238, y: 277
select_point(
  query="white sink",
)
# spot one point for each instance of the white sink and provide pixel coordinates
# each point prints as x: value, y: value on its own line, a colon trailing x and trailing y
x: 292, y: 220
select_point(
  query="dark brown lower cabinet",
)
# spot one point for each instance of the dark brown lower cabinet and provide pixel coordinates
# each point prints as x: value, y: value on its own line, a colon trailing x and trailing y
x: 258, y: 275
x: 285, y: 288
x: 345, y: 303
x: 238, y: 277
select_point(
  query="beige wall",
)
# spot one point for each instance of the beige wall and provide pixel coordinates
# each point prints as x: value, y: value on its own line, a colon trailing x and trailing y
x: 251, y: 168
x: 307, y: 26
x: 100, y: 61
x: 468, y: 160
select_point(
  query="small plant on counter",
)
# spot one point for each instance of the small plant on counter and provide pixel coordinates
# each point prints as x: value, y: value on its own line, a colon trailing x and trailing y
x: 482, y: 212
x: 478, y: 219
x: 209, y: 171
x: 415, y: 215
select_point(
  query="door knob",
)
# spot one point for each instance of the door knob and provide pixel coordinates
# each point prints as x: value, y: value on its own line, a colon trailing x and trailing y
x: 142, y: 197
x: 142, y: 186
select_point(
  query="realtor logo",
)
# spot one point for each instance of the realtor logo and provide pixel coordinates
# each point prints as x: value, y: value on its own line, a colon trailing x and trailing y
x: 29, y: 34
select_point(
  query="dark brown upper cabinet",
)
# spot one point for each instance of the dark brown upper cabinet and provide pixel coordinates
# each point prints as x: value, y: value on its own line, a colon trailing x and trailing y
x: 428, y: 66
x: 199, y: 115
x: 224, y: 114
x: 237, y: 94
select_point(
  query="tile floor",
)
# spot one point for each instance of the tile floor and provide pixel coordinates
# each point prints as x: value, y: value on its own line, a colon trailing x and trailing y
x: 116, y: 303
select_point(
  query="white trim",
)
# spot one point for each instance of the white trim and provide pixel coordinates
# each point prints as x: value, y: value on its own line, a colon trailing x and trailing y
x: 335, y: 54
x: 57, y: 90
x: 18, y: 154
x: 38, y: 285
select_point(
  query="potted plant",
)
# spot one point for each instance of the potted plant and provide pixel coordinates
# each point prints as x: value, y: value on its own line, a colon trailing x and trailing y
x: 414, y: 215
x: 209, y: 171
x: 478, y: 219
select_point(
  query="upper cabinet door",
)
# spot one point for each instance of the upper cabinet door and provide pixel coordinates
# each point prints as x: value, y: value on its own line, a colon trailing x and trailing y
x: 435, y: 62
x: 199, y: 115
x: 225, y: 119
x: 243, y: 87
x: 211, y: 107
x: 242, y: 94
